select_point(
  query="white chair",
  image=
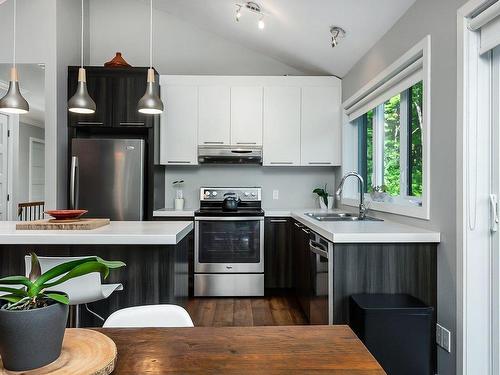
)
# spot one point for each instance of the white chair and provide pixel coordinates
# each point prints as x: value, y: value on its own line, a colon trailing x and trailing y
x: 149, y: 316
x: 80, y: 290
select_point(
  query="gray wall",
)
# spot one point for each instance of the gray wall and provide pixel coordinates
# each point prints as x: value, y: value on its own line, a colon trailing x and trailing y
x: 25, y: 132
x: 439, y: 19
x: 179, y: 47
x: 295, y: 184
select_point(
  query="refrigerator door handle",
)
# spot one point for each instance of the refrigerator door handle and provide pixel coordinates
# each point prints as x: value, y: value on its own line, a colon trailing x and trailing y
x: 73, y: 190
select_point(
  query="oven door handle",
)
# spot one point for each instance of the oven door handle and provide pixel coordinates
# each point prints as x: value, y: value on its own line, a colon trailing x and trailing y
x: 229, y: 218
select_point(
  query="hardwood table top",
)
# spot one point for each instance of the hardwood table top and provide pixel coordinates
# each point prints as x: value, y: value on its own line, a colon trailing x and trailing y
x: 242, y: 350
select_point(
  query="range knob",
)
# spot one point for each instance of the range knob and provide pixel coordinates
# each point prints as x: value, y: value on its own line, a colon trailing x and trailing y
x: 247, y: 193
x: 253, y: 194
x: 207, y: 193
x: 214, y: 193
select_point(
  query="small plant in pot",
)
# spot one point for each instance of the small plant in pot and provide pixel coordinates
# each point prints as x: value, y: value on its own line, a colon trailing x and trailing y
x: 325, y: 199
x: 33, y: 316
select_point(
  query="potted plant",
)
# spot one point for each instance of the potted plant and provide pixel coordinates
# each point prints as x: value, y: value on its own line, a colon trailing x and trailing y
x: 325, y: 199
x: 33, y: 316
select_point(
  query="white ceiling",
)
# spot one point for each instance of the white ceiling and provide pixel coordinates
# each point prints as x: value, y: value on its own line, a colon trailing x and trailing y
x: 32, y: 85
x: 297, y: 31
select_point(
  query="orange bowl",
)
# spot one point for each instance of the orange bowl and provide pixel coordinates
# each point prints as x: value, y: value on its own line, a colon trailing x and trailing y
x: 66, y: 214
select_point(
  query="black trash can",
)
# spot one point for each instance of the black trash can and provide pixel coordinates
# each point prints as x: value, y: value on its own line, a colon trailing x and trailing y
x: 396, y: 329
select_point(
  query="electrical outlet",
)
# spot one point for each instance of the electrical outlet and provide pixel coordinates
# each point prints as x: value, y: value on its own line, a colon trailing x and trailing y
x: 443, y: 337
x: 276, y: 194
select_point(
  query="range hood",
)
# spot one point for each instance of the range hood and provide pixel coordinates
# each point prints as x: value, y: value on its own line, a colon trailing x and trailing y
x: 230, y: 154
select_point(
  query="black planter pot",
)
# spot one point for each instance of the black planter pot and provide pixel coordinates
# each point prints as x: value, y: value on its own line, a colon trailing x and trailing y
x: 33, y: 338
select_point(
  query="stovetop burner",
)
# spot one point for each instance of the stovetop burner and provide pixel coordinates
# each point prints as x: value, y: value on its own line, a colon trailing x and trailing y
x: 211, y: 201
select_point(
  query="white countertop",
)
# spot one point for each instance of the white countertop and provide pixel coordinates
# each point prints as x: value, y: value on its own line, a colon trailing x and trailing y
x: 170, y: 212
x: 366, y: 231
x: 116, y: 233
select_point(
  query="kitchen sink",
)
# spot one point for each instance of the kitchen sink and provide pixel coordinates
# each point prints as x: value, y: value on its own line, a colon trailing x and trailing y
x: 339, y: 216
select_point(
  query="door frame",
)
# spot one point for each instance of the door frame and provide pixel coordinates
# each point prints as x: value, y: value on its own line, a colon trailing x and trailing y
x: 475, y: 321
x: 33, y: 140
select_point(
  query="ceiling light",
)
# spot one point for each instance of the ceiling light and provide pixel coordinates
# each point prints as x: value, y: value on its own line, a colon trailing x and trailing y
x: 337, y: 33
x: 150, y: 103
x: 13, y: 101
x: 251, y: 7
x: 81, y: 102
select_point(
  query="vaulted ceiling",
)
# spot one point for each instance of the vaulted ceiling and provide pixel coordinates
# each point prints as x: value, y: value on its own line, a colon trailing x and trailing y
x: 297, y: 31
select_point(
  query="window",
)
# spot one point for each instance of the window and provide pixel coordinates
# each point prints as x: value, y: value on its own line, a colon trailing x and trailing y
x: 390, y: 145
x: 387, y: 136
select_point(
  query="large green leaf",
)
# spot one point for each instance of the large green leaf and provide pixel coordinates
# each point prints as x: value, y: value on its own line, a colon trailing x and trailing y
x: 61, y: 298
x: 61, y: 269
x: 111, y: 263
x: 11, y: 298
x: 80, y: 270
x: 36, y: 270
x: 18, y: 292
x: 16, y: 280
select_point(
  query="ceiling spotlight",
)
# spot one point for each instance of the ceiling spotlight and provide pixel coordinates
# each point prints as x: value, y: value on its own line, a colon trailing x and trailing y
x: 261, y: 23
x: 337, y: 34
x: 251, y: 7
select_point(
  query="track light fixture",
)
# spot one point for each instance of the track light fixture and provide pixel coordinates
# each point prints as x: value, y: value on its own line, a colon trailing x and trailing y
x: 254, y: 8
x: 337, y: 33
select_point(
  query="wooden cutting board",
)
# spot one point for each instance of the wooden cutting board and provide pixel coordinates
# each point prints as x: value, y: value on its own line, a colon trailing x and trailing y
x: 78, y: 224
x: 84, y: 352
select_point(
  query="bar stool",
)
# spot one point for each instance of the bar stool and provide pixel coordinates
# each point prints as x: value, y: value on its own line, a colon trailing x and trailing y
x: 80, y: 290
x: 149, y: 316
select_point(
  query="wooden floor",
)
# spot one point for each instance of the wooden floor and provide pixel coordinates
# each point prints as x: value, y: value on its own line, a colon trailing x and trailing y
x: 264, y: 311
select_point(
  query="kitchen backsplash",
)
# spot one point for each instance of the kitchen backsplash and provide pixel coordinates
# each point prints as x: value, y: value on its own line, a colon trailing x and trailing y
x: 294, y: 184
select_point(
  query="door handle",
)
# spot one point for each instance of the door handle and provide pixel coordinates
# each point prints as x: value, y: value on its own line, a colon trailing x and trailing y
x: 494, y: 213
x: 73, y: 190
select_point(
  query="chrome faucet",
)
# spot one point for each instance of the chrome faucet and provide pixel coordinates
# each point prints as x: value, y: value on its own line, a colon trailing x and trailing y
x: 338, y: 193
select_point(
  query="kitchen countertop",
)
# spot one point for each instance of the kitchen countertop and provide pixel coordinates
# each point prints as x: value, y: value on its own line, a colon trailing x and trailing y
x: 116, y: 233
x: 170, y: 212
x: 366, y: 231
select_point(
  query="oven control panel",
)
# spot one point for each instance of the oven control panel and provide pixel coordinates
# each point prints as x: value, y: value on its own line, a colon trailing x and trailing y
x: 249, y: 194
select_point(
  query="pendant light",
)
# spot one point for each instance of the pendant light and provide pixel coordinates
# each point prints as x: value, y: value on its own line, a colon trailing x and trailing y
x: 150, y: 103
x: 81, y: 102
x: 13, y: 101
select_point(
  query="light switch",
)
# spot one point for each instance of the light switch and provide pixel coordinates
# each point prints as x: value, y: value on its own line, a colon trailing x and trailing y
x: 276, y: 194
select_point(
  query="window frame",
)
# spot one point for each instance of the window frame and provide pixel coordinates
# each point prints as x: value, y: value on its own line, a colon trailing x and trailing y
x: 404, y: 204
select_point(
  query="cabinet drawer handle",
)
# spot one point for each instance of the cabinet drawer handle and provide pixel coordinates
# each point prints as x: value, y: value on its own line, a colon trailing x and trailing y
x: 90, y: 123
x: 131, y: 123
x: 246, y: 143
x: 320, y: 163
x: 278, y: 220
x: 213, y: 143
x: 178, y: 162
x: 282, y: 162
x: 306, y: 230
x: 298, y: 225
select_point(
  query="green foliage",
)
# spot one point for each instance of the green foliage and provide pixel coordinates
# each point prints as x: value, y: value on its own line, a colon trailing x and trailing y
x: 34, y: 292
x: 322, y: 193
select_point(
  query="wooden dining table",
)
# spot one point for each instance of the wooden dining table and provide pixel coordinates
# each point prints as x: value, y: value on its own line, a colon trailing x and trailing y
x: 242, y: 350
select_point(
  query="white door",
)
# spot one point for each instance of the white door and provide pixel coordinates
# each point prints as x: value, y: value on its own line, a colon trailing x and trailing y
x: 321, y: 119
x: 179, y: 126
x: 214, y: 127
x: 36, y: 170
x: 281, y: 126
x: 4, y: 152
x: 246, y: 116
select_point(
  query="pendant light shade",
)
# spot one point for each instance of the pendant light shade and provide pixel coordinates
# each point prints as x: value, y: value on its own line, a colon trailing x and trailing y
x: 13, y: 101
x: 81, y: 102
x: 150, y: 103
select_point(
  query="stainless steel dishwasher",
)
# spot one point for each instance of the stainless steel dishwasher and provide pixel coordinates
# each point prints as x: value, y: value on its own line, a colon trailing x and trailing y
x: 321, y: 298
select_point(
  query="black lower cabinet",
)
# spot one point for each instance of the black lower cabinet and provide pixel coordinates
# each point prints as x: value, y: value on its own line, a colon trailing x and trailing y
x: 278, y: 271
x: 396, y: 329
x: 302, y: 267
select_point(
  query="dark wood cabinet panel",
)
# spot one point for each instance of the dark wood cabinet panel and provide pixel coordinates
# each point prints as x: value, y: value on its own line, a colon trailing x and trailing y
x: 278, y: 259
x: 302, y: 266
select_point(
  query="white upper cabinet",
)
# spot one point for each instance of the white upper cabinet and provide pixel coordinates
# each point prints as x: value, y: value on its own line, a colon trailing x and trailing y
x: 246, y: 116
x: 321, y: 126
x: 179, y: 125
x: 282, y: 126
x: 214, y: 126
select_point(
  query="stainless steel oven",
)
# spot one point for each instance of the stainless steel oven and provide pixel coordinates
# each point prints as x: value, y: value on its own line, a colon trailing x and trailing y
x: 229, y: 245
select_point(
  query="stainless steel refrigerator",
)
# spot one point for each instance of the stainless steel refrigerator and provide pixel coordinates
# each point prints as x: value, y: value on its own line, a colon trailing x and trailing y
x: 107, y: 177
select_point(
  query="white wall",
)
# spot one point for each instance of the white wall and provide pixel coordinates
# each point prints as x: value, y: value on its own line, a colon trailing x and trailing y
x: 439, y: 19
x: 179, y: 47
x: 25, y: 132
